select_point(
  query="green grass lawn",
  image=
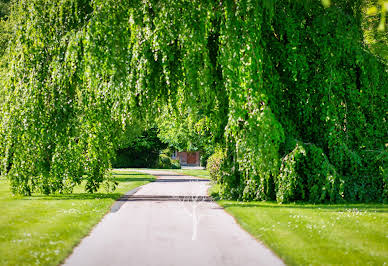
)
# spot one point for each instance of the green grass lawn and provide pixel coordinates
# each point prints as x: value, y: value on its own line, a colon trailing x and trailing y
x: 354, y: 234
x: 42, y: 230
x: 202, y: 173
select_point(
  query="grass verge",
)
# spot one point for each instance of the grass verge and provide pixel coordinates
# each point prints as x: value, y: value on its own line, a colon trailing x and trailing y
x: 202, y: 173
x: 302, y: 234
x: 42, y: 230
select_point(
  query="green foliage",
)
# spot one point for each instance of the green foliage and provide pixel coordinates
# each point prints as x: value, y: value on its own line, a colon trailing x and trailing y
x: 142, y: 152
x: 175, y: 164
x: 4, y: 8
x: 214, y: 165
x: 181, y: 130
x: 307, y: 175
x: 165, y: 162
x: 310, y: 80
x: 247, y: 76
x: 186, y: 129
x: 374, y: 26
x: 4, y: 26
x: 145, y: 151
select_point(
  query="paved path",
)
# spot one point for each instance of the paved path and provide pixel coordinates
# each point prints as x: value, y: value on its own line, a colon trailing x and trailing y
x: 158, y: 226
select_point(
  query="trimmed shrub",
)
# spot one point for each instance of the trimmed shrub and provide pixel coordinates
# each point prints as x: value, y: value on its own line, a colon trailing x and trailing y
x: 175, y: 164
x: 214, y: 163
x: 165, y: 162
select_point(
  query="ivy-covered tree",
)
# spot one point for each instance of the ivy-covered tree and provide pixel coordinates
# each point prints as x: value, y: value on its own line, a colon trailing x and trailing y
x: 282, y: 86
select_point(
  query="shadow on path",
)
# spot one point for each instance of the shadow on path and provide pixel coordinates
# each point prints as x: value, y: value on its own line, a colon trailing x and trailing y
x: 74, y: 196
x: 164, y: 198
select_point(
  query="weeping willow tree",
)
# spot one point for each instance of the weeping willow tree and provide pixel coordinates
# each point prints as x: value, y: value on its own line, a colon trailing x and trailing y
x: 288, y: 89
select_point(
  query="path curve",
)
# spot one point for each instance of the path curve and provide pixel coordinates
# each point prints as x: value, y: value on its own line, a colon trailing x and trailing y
x: 170, y: 222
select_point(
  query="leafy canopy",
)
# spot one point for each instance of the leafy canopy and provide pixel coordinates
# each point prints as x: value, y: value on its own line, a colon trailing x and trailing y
x: 257, y: 77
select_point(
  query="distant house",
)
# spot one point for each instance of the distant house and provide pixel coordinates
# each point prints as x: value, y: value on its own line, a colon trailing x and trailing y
x: 187, y: 158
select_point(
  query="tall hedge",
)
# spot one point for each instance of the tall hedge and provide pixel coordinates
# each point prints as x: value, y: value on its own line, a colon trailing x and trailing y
x: 264, y: 75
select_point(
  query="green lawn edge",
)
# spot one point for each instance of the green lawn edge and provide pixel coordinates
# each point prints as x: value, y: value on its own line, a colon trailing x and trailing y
x: 201, y: 173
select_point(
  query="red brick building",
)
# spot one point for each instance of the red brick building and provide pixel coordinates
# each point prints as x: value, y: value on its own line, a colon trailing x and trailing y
x: 188, y: 158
